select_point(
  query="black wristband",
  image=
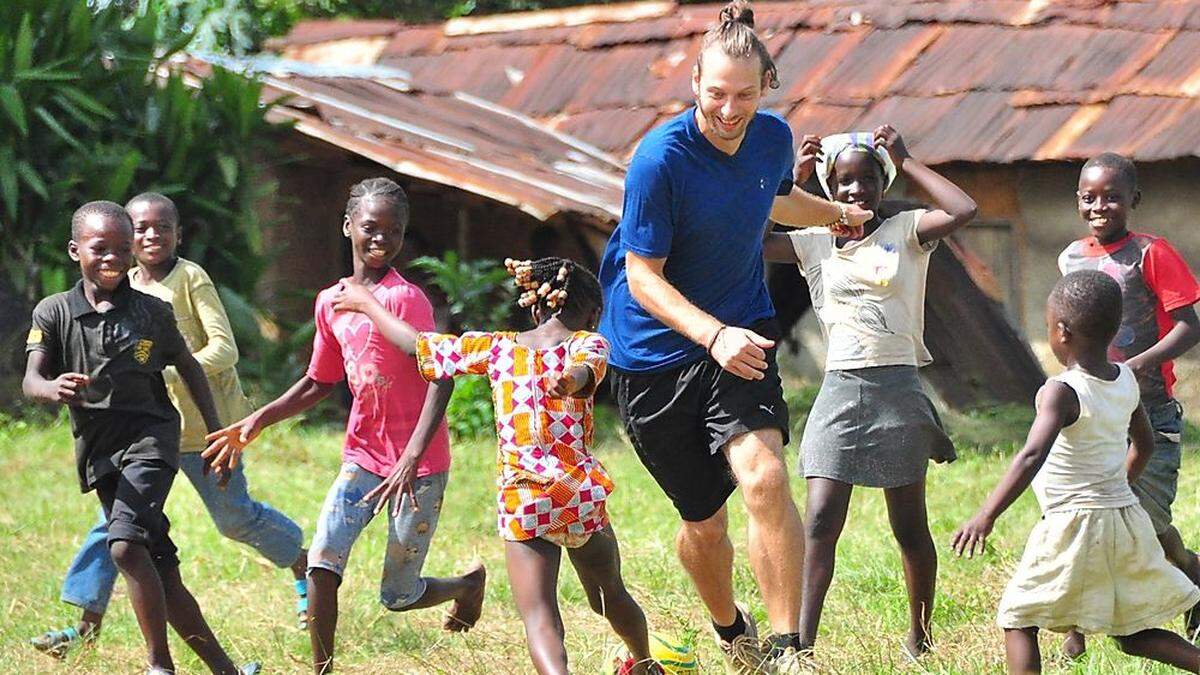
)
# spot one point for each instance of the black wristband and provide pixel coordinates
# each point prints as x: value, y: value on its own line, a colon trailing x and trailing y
x: 713, y: 341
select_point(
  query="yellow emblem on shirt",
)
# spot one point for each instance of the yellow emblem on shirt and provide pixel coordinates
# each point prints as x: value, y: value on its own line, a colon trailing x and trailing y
x: 141, y: 351
x: 35, y: 336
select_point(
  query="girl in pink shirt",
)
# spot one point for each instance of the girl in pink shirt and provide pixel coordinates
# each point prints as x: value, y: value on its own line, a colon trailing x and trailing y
x: 397, y: 448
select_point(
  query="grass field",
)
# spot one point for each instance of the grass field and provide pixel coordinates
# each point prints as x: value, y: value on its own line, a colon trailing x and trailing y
x: 43, y: 518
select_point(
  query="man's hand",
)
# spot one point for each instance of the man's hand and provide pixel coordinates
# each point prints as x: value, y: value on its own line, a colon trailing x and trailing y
x: 396, y: 484
x: 856, y: 217
x: 225, y: 446
x: 66, y: 388
x: 741, y: 352
x: 972, y: 534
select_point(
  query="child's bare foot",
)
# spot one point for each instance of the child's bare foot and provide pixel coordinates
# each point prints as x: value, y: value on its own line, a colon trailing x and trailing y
x: 1074, y: 645
x: 466, y: 610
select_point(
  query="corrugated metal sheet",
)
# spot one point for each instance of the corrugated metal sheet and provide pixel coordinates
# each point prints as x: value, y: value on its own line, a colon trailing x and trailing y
x: 1130, y: 122
x: 450, y: 138
x: 969, y: 80
x: 611, y: 130
x: 1175, y: 71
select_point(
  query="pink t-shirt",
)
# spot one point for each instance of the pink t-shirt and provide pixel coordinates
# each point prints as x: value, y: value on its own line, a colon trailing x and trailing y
x: 388, y: 390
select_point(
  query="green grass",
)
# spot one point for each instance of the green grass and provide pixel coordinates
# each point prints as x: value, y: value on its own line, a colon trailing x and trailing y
x: 43, y: 519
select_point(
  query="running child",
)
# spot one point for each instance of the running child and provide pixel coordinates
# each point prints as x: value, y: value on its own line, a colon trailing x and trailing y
x: 1092, y: 563
x: 552, y: 491
x: 396, y: 442
x: 872, y: 423
x: 1158, y: 325
x: 100, y: 348
x: 201, y: 319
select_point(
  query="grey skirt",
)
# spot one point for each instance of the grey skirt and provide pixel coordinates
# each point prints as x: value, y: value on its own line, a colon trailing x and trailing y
x: 874, y: 427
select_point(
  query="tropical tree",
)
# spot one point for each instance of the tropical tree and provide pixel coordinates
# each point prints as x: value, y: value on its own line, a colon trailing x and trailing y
x: 93, y: 107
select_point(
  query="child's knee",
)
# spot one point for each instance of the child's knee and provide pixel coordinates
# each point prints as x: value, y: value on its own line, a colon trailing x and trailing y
x: 127, y: 554
x: 913, y: 539
x: 597, y: 599
x: 823, y: 524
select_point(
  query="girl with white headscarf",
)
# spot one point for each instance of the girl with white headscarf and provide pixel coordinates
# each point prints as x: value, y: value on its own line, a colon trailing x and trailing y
x: 872, y: 424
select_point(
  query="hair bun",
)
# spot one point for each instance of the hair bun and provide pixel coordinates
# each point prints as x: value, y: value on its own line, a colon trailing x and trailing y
x: 738, y: 11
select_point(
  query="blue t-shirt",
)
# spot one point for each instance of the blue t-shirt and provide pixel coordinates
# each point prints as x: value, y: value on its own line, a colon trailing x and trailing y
x: 705, y: 212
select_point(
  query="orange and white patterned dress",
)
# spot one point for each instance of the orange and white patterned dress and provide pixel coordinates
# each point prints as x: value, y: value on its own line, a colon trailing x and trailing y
x: 550, y: 486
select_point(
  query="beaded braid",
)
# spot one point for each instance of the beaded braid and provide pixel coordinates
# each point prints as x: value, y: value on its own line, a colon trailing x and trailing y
x: 550, y: 281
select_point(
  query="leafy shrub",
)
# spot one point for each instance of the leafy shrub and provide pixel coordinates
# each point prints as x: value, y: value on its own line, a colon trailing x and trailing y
x: 479, y: 297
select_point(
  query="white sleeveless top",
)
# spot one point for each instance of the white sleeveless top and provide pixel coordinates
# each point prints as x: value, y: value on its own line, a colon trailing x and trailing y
x: 1086, y: 466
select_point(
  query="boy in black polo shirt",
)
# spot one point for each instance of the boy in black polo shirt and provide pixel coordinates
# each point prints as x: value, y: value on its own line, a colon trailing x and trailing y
x: 100, y: 348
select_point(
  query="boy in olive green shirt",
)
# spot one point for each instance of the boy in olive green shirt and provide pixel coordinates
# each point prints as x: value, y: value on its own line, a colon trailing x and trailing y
x: 204, y: 325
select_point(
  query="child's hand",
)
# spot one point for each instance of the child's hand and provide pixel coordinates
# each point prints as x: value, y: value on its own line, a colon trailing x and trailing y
x: 396, y: 484
x: 806, y: 158
x: 66, y: 388
x: 352, y: 297
x: 1140, y: 367
x: 561, y: 385
x: 973, y: 533
x: 889, y: 139
x: 225, y: 447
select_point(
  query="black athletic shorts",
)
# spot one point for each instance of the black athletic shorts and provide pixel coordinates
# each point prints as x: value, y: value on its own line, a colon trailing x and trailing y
x: 133, y: 500
x: 680, y: 419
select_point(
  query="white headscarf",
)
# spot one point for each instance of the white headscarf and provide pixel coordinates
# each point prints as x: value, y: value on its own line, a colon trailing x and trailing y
x: 835, y: 145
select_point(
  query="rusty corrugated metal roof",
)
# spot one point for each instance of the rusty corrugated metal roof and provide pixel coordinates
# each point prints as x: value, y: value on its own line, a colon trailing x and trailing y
x: 970, y: 80
x: 445, y: 137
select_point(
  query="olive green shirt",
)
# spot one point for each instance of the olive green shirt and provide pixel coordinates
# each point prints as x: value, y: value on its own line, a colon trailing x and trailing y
x: 205, y: 327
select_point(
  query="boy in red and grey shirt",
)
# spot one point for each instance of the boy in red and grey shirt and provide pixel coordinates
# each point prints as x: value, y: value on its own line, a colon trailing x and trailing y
x: 1158, y: 325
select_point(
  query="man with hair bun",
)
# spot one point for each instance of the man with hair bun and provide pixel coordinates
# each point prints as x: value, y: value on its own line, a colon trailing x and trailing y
x: 693, y: 331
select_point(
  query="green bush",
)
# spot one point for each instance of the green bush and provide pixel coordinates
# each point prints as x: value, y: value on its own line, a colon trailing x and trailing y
x: 479, y: 297
x: 470, y: 414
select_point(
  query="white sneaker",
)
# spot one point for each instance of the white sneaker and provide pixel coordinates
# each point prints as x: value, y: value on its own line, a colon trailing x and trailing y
x: 792, y: 662
x: 744, y: 655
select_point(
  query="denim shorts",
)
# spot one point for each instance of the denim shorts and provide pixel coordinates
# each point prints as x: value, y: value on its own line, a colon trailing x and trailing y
x: 345, y: 514
x: 1157, y: 485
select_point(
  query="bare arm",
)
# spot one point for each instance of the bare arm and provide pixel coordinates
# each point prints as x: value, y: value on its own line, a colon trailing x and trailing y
x: 405, y: 470
x: 356, y: 298
x: 955, y: 208
x: 736, y: 349
x: 576, y: 379
x: 38, y: 386
x: 225, y: 445
x: 1142, y: 446
x: 1057, y: 407
x: 192, y: 374
x: 800, y: 209
x: 1184, y: 334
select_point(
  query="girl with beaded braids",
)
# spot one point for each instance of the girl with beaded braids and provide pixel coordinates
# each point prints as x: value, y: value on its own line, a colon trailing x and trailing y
x: 396, y: 445
x: 551, y: 490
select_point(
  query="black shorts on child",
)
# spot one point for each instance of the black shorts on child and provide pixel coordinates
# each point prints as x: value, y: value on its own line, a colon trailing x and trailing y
x: 680, y: 419
x: 135, y: 468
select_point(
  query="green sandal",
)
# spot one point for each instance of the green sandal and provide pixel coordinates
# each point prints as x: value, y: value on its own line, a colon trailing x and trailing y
x: 302, y: 604
x: 58, y: 643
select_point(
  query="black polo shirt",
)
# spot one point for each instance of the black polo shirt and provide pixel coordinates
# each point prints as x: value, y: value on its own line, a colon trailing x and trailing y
x: 123, y: 351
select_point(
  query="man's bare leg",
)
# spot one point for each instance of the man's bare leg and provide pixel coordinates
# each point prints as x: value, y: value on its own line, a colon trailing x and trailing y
x: 706, y: 553
x: 776, y: 532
